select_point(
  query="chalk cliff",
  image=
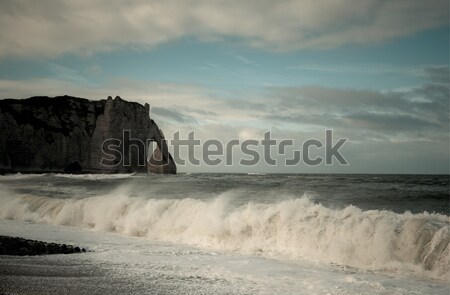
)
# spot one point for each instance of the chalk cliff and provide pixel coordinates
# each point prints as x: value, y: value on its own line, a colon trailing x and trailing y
x: 76, y: 135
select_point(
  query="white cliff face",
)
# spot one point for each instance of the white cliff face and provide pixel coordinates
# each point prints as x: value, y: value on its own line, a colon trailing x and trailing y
x: 43, y: 134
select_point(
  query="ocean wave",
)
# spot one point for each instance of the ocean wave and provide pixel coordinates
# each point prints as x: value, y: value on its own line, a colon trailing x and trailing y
x: 294, y: 228
x: 20, y: 176
x: 96, y: 176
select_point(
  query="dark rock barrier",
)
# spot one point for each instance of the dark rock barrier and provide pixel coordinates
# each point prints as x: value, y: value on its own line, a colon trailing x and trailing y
x: 21, y: 247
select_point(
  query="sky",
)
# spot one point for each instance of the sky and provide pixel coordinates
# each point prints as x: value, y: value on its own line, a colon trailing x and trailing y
x: 376, y: 72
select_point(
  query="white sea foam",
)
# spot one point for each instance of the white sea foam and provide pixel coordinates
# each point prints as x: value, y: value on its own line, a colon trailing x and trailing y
x: 96, y: 176
x: 20, y: 176
x: 296, y: 228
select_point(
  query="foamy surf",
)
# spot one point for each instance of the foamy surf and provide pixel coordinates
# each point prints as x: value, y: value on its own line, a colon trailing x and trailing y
x: 96, y: 176
x: 294, y: 228
x: 20, y: 176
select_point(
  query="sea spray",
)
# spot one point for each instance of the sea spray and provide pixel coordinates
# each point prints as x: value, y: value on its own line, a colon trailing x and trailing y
x: 296, y: 228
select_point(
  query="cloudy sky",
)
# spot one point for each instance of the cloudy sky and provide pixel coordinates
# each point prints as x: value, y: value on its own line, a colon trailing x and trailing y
x: 374, y: 71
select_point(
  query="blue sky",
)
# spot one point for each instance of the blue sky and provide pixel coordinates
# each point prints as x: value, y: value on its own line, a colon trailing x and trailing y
x: 374, y: 71
x: 229, y: 66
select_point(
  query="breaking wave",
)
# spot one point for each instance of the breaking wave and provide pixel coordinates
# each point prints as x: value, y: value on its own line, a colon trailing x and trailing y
x: 95, y: 176
x: 19, y: 175
x: 294, y: 228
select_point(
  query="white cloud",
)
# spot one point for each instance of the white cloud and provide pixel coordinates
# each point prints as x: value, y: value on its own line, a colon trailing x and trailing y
x: 50, y: 28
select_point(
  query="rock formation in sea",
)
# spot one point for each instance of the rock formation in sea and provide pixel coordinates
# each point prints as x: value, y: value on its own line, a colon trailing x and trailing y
x: 76, y: 135
x: 21, y: 247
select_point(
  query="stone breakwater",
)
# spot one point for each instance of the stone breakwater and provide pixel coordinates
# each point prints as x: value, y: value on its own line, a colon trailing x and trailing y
x: 65, y: 134
x: 21, y: 247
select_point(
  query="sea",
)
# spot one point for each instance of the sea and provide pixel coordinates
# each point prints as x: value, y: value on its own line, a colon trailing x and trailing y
x: 229, y: 233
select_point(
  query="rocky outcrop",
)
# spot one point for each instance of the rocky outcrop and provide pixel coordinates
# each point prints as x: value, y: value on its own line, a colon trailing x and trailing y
x: 75, y: 135
x: 157, y: 163
x: 21, y: 247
